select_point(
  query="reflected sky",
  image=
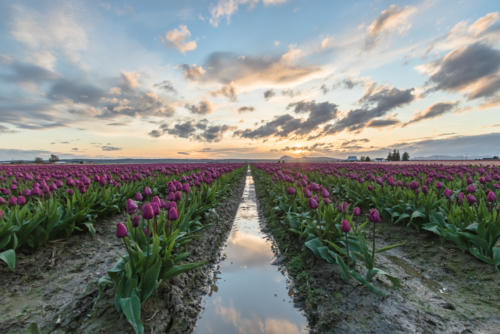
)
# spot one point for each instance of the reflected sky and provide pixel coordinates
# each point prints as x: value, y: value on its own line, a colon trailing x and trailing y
x: 251, y: 295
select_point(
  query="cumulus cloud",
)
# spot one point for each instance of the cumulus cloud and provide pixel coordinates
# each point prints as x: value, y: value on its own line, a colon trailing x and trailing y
x: 269, y: 94
x: 433, y: 111
x: 226, y: 67
x: 193, y: 72
x: 197, y: 130
x: 287, y: 125
x: 473, y: 70
x: 167, y: 86
x: 394, y: 18
x: 375, y: 103
x: 228, y: 91
x: 179, y: 38
x: 203, y: 108
x: 245, y: 109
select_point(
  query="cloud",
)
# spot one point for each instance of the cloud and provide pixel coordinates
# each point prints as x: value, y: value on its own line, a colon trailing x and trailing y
x: 183, y: 153
x: 109, y: 148
x: 286, y: 125
x: 226, y: 8
x: 435, y: 110
x: 226, y: 67
x: 375, y: 103
x: 381, y: 123
x: 473, y: 70
x: 245, y: 109
x: 167, y: 86
x: 178, y: 38
x: 392, y: 18
x: 196, y: 130
x: 269, y: 94
x: 228, y: 91
x: 203, y: 108
x: 49, y: 33
x: 4, y: 129
x: 193, y: 72
x: 21, y: 72
x: 130, y: 79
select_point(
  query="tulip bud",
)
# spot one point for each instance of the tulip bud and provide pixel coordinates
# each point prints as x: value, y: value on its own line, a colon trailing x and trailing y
x: 121, y: 230
x: 173, y: 214
x: 148, y: 211
x: 346, y: 228
x: 131, y: 206
x: 374, y: 216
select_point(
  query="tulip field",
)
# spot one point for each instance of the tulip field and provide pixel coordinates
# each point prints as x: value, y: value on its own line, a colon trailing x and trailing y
x: 337, y: 213
x: 330, y: 213
x: 164, y: 205
x: 322, y: 201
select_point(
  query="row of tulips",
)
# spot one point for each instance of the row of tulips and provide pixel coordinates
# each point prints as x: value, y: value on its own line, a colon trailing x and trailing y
x: 334, y: 233
x: 457, y: 202
x: 40, y: 203
x: 155, y: 234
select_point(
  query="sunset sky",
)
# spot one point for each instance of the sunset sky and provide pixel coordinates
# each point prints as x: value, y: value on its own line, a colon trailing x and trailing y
x: 249, y: 78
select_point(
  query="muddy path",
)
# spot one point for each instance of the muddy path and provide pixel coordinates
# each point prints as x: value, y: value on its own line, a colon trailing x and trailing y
x: 443, y: 290
x: 56, y: 287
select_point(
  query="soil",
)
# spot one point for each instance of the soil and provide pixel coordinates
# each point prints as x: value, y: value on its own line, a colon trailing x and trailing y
x: 443, y: 290
x: 56, y: 286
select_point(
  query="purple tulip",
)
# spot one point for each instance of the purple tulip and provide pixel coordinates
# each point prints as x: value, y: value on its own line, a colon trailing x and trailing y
x: 346, y: 228
x: 471, y: 199
x: 439, y: 185
x: 156, y: 208
x: 121, y: 230
x: 491, y: 197
x: 471, y: 188
x: 357, y: 211
x: 324, y: 192
x: 148, y: 211
x: 136, y: 221
x: 425, y: 189
x: 148, y: 191
x: 374, y: 216
x: 70, y: 191
x: 1, y: 214
x: 307, y: 193
x: 2, y: 200
x: 178, y: 196
x: 313, y: 204
x: 291, y: 191
x: 138, y: 197
x: 12, y: 200
x: 131, y: 207
x: 448, y: 192
x: 460, y: 197
x: 147, y: 232
x: 21, y: 200
x: 173, y: 214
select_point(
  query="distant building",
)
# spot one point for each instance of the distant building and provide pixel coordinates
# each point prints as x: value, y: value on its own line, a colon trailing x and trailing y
x: 379, y: 159
x: 352, y: 158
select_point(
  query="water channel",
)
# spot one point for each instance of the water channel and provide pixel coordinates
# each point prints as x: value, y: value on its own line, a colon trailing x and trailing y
x: 250, y: 294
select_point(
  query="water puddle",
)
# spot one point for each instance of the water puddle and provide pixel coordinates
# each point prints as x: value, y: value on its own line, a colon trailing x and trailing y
x: 250, y: 295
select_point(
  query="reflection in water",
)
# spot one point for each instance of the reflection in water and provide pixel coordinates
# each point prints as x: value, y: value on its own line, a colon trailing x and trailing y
x: 251, y: 295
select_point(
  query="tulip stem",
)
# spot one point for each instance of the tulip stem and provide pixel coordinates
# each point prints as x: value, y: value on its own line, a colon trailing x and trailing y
x: 373, y: 245
x: 347, y: 245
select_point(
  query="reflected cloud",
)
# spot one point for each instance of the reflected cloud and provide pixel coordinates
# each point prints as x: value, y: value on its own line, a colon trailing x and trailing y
x: 248, y: 250
x: 253, y: 324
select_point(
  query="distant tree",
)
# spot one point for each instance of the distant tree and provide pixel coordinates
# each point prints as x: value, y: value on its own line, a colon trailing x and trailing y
x: 406, y: 156
x: 367, y: 158
x: 495, y: 157
x: 38, y: 160
x: 53, y: 158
